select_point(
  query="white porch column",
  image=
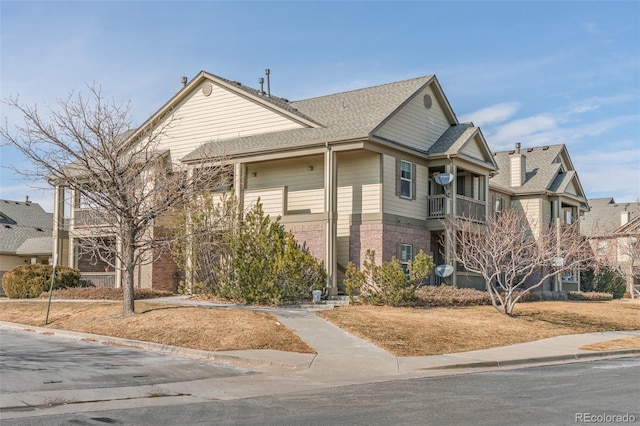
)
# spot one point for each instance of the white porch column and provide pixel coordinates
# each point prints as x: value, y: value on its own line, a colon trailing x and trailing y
x: 238, y: 185
x: 330, y: 200
x: 58, y: 223
x: 73, y: 263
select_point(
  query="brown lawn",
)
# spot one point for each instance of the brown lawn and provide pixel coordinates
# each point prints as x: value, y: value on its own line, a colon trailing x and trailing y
x: 416, y: 332
x: 610, y: 345
x: 184, y: 326
x: 401, y: 331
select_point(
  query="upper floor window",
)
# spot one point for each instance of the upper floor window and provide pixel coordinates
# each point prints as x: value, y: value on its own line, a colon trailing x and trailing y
x: 406, y: 179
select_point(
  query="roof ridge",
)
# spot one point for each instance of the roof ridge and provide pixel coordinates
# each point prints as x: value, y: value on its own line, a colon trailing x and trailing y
x: 364, y: 88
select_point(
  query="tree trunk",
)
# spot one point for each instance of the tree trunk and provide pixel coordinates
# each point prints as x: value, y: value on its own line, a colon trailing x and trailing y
x: 128, y: 306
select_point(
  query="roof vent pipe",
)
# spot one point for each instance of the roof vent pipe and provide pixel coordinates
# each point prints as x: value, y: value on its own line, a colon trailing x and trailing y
x: 261, y: 82
x: 184, y: 81
x: 267, y: 72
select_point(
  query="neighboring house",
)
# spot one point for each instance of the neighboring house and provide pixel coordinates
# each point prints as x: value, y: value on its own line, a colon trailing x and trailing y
x: 614, y: 231
x: 542, y: 183
x: 25, y: 234
x: 346, y: 172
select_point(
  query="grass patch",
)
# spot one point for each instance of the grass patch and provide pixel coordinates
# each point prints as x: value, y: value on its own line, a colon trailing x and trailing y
x: 207, y: 329
x: 103, y: 293
x: 418, y: 332
x: 612, y: 345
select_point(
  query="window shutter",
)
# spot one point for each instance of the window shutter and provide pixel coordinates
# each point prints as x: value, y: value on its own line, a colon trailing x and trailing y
x: 399, y: 251
x: 413, y: 181
x: 398, y: 174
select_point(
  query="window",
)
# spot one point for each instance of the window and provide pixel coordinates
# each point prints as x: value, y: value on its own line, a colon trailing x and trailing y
x: 405, y: 179
x: 405, y: 256
x: 602, y: 247
x: 498, y: 202
x: 568, y: 219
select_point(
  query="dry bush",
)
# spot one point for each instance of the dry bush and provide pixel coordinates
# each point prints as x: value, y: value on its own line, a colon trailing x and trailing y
x: 590, y: 296
x: 450, y: 296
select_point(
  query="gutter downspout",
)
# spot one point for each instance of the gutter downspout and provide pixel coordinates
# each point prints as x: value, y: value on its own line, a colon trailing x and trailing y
x: 330, y: 184
x: 451, y: 242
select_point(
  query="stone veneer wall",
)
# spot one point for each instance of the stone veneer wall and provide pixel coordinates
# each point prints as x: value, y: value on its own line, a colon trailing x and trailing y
x: 312, y: 236
x: 164, y: 273
x: 384, y: 239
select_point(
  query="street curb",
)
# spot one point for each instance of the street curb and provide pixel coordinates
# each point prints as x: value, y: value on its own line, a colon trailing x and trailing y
x: 268, y: 358
x: 620, y: 353
x: 296, y: 360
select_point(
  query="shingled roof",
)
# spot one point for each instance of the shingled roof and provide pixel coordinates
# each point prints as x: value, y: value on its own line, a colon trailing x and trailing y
x: 604, y: 216
x: 342, y: 116
x: 20, y: 221
x: 543, y: 170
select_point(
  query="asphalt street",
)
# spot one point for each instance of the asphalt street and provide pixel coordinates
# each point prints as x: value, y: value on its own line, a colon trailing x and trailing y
x: 85, y: 383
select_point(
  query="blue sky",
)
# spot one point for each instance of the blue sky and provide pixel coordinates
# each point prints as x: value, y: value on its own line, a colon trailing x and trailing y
x: 532, y: 72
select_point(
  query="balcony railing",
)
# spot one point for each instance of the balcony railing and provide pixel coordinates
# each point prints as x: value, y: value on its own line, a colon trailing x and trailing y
x: 436, y: 206
x: 98, y: 279
x: 464, y: 207
x: 471, y: 209
x: 88, y: 218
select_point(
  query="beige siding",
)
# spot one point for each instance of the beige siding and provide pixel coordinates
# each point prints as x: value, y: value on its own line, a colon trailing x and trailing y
x: 394, y: 204
x: 272, y: 200
x: 572, y: 188
x: 359, y: 191
x: 473, y: 150
x: 416, y: 126
x: 222, y: 115
x: 293, y: 173
x: 532, y: 210
x: 311, y: 201
x: 8, y: 262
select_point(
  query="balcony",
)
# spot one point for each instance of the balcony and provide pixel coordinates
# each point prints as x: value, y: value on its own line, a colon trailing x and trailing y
x: 469, y: 208
x: 89, y: 218
x: 98, y: 279
x: 464, y: 207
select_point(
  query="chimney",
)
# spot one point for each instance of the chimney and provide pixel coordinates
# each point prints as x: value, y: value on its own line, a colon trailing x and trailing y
x: 624, y: 217
x: 267, y: 73
x: 518, y: 167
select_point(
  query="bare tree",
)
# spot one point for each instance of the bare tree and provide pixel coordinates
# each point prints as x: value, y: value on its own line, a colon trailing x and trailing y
x: 627, y: 262
x: 126, y: 182
x: 512, y: 260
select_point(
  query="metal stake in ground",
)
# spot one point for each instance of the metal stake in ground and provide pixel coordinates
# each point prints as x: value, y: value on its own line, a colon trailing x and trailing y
x: 53, y: 275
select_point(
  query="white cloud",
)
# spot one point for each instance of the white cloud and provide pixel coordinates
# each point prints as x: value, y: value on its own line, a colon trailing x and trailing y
x: 492, y: 114
x: 615, y: 173
x: 524, y: 129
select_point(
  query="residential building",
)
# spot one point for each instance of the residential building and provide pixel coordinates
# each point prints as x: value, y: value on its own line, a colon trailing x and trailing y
x: 346, y: 172
x: 544, y: 185
x: 25, y: 234
x: 614, y: 232
x: 379, y: 168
